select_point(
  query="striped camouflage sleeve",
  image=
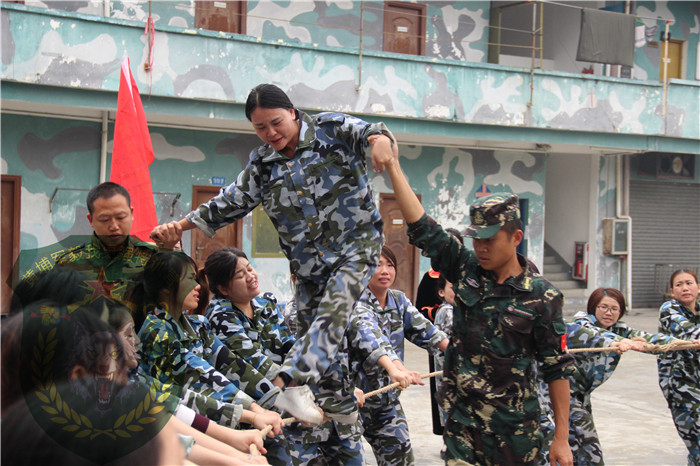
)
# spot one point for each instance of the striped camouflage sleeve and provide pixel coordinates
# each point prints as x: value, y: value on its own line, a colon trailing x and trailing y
x: 367, y: 338
x: 232, y: 203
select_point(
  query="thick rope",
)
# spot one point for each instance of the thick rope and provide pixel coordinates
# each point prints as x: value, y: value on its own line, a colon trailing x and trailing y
x: 676, y: 345
x: 253, y: 449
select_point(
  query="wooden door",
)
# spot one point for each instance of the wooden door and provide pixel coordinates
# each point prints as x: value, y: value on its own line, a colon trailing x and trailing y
x: 397, y: 240
x: 11, y: 197
x: 225, y: 16
x: 675, y: 59
x: 404, y: 28
x: 202, y: 245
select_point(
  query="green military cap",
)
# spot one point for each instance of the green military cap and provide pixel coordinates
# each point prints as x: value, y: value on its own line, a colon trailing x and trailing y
x: 490, y: 213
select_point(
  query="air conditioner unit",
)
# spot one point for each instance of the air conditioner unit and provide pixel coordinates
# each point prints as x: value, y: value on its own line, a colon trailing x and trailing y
x: 665, y: 165
x: 616, y: 233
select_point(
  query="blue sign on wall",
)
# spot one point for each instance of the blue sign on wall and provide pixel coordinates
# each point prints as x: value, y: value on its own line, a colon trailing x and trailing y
x: 218, y: 180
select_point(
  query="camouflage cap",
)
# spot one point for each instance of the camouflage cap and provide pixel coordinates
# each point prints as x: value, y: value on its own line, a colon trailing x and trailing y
x: 490, y: 213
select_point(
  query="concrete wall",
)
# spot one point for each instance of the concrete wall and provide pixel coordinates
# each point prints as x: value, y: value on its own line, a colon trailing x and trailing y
x: 567, y: 200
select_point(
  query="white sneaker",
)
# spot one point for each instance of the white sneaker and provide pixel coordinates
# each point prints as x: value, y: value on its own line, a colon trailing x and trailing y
x: 299, y: 402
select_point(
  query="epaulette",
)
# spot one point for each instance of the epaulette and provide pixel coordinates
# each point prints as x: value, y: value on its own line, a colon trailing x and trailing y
x: 329, y: 116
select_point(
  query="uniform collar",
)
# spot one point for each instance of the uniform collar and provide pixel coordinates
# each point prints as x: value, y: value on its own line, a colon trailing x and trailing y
x: 127, y: 246
x: 183, y: 324
x: 522, y: 282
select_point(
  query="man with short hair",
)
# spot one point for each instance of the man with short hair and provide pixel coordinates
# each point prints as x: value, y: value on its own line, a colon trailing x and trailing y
x: 112, y: 258
x: 506, y: 317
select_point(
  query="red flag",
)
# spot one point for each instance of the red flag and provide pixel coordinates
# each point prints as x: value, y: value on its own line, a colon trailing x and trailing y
x: 132, y: 153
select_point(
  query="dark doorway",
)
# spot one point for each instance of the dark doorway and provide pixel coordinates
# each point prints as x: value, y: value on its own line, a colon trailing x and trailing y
x: 202, y: 245
x: 11, y: 205
x: 397, y: 240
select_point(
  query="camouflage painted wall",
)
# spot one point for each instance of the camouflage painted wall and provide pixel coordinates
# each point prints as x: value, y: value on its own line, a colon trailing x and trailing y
x: 685, y: 26
x: 46, y: 152
x: 79, y: 51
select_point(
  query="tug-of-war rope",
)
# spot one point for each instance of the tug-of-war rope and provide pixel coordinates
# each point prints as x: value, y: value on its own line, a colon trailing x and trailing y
x: 676, y: 345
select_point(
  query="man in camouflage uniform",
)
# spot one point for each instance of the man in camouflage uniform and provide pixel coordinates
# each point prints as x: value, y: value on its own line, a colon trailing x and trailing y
x: 506, y: 316
x: 112, y: 258
x: 315, y: 188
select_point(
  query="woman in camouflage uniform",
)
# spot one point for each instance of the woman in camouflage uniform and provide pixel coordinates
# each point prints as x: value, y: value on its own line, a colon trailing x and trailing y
x: 181, y: 349
x: 383, y: 420
x: 251, y: 326
x: 227, y: 414
x: 679, y: 371
x: 443, y: 321
x: 311, y: 178
x: 598, y: 326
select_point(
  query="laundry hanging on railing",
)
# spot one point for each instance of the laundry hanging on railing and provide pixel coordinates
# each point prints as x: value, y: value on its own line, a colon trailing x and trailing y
x: 606, y: 37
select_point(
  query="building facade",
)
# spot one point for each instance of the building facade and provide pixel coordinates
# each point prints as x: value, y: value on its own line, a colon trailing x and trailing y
x: 482, y: 97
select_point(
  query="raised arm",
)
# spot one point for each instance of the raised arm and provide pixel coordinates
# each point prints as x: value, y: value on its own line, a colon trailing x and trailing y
x: 170, y: 233
x: 409, y: 204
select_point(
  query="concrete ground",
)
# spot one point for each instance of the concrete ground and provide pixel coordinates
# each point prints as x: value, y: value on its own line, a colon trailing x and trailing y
x: 633, y: 421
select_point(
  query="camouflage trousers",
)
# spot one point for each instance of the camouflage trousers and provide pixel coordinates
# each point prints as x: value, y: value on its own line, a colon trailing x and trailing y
x: 319, y: 358
x: 471, y: 445
x: 686, y: 416
x: 327, y: 444
x: 386, y: 430
x: 278, y: 451
x: 583, y: 437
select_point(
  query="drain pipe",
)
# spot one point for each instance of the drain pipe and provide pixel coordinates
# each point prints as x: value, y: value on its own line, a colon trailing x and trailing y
x: 359, y: 72
x: 103, y: 147
x: 622, y: 191
x: 105, y: 119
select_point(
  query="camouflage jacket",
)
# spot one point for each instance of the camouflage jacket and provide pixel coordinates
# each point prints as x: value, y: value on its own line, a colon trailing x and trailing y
x: 262, y: 341
x: 592, y: 369
x: 499, y: 331
x: 679, y: 371
x: 367, y: 344
x: 186, y: 353
x: 320, y: 200
x: 114, y: 275
x: 226, y: 414
x: 443, y: 321
x: 398, y: 320
x: 443, y: 318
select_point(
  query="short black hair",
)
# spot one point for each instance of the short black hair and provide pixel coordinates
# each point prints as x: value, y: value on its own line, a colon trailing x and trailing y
x: 266, y: 96
x: 511, y: 226
x: 105, y: 191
